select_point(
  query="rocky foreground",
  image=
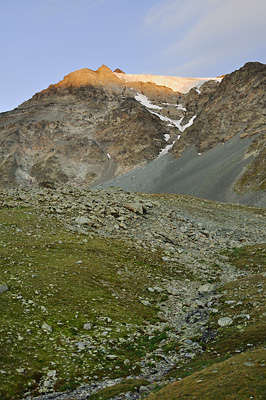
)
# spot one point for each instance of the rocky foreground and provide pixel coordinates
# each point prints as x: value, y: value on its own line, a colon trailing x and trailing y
x: 120, y: 293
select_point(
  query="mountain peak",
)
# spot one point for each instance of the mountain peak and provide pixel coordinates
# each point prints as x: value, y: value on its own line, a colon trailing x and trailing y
x: 85, y: 76
x: 104, y: 69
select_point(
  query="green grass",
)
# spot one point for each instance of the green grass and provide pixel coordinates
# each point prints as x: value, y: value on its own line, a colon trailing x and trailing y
x: 249, y: 258
x: 65, y: 280
x: 238, y: 378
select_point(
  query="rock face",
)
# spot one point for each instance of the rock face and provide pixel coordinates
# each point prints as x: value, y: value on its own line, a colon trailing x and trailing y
x: 83, y: 129
x: 236, y: 106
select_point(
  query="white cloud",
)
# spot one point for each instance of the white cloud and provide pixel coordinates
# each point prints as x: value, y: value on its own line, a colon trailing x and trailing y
x: 199, y: 32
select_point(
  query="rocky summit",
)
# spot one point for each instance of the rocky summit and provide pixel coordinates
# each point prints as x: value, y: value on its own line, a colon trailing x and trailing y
x: 129, y: 268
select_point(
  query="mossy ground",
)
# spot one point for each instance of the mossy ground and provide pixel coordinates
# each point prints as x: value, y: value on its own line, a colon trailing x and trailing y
x: 233, y: 365
x: 65, y: 280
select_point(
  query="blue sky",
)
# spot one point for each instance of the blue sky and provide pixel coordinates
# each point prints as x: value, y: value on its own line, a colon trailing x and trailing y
x: 44, y: 40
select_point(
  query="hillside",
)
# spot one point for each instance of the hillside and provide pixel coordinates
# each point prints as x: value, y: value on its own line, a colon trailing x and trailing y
x: 111, y: 294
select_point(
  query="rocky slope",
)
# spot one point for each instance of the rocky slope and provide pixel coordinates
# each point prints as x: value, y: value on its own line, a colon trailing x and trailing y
x: 116, y: 294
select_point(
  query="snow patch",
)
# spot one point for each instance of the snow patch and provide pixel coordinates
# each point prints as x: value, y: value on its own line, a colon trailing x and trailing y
x: 172, y: 122
x: 177, y: 84
x: 142, y: 99
x: 190, y: 122
x: 176, y: 123
x: 180, y: 107
x: 165, y: 150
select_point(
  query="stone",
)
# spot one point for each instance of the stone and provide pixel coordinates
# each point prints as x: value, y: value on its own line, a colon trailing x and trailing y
x: 3, y: 288
x: 190, y: 355
x: 225, y: 321
x: 81, y: 220
x: 143, y: 389
x: 88, y: 326
x: 173, y: 291
x: 111, y: 356
x: 46, y: 327
x: 81, y: 345
x: 206, y: 288
x: 145, y: 302
x: 158, y: 289
x: 249, y: 364
x: 137, y: 208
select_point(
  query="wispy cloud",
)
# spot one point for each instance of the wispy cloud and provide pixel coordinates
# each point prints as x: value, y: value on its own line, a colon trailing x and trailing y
x: 200, y: 32
x: 172, y: 15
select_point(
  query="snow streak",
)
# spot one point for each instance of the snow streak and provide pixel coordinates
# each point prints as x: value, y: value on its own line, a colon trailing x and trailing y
x: 142, y: 99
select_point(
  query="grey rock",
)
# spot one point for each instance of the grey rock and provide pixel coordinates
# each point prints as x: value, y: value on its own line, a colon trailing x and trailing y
x: 225, y: 321
x: 143, y: 389
x: 145, y: 302
x: 190, y: 355
x: 81, y: 220
x: 173, y: 291
x: 205, y: 289
x: 158, y: 289
x: 111, y: 356
x: 137, y: 208
x: 46, y: 327
x: 81, y: 345
x: 3, y: 288
x: 88, y: 326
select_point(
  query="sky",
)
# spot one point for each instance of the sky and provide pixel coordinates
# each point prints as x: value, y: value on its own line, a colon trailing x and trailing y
x: 41, y: 41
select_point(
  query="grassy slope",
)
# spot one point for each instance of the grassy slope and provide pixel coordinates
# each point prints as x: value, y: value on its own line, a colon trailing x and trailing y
x: 66, y: 280
x: 241, y: 377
